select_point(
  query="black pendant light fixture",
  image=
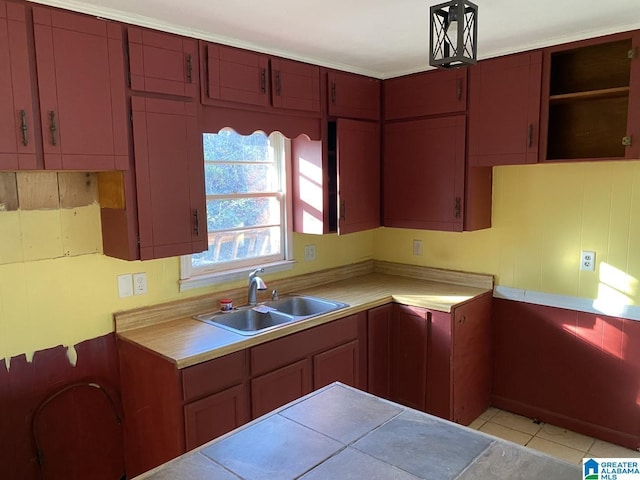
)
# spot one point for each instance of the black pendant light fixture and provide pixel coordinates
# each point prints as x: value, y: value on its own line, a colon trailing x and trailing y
x: 453, y: 32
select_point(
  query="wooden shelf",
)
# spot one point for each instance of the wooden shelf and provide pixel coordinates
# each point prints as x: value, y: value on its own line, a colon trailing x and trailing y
x: 591, y: 94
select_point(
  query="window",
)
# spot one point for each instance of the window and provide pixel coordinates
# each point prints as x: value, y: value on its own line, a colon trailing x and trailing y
x: 245, y: 185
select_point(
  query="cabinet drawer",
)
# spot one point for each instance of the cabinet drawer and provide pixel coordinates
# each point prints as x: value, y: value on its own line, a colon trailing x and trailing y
x: 283, y: 351
x: 212, y: 376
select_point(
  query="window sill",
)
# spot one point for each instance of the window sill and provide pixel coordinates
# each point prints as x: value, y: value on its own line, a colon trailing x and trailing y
x: 230, y: 275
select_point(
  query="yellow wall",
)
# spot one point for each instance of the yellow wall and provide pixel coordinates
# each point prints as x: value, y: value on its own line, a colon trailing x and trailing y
x: 57, y: 288
x: 543, y: 216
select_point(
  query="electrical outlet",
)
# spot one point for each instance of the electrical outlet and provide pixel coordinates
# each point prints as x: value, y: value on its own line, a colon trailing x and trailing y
x: 309, y: 253
x: 139, y: 283
x: 588, y: 260
x: 125, y: 285
x: 417, y: 247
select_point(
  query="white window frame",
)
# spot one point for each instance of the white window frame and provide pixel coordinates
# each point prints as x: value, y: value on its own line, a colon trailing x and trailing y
x: 191, y: 278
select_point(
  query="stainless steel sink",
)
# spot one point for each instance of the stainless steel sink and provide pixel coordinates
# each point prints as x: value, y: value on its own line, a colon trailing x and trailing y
x: 305, y: 306
x: 269, y: 315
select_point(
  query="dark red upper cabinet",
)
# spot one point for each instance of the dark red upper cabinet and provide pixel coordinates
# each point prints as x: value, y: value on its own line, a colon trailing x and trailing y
x: 235, y: 75
x: 251, y: 78
x: 504, y: 110
x: 353, y: 96
x: 163, y: 63
x: 168, y: 158
x: 18, y: 138
x: 295, y: 85
x: 424, y: 173
x: 434, y: 92
x: 358, y: 157
x: 591, y: 99
x: 81, y: 81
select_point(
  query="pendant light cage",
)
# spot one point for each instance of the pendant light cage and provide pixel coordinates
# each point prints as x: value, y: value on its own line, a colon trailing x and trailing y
x: 453, y: 34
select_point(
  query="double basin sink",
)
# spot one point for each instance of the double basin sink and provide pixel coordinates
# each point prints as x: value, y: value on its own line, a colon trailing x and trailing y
x: 270, y: 315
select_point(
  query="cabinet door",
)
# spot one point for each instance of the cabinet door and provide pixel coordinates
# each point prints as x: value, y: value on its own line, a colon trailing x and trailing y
x: 504, y: 110
x: 471, y: 360
x: 280, y: 387
x: 409, y: 358
x: 424, y: 173
x: 163, y: 63
x: 17, y: 141
x: 358, y: 157
x: 235, y: 75
x: 431, y: 93
x: 379, y: 322
x: 215, y: 415
x: 81, y: 81
x: 340, y: 364
x: 353, y: 96
x: 439, y: 367
x: 169, y: 178
x: 295, y: 85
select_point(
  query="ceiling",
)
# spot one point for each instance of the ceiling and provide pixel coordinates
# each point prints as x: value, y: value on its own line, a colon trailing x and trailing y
x: 379, y: 38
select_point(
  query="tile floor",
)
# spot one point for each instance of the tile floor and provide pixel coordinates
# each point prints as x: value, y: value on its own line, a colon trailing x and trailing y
x: 552, y: 440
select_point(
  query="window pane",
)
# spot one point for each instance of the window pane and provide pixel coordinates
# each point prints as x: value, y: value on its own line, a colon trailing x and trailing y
x: 229, y: 146
x: 242, y: 212
x: 239, y: 245
x: 224, y: 179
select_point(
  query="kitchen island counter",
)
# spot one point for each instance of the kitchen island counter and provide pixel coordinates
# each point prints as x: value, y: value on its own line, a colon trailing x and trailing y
x: 341, y: 432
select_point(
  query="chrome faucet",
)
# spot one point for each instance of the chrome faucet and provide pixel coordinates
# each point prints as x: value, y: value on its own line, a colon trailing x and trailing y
x: 255, y: 284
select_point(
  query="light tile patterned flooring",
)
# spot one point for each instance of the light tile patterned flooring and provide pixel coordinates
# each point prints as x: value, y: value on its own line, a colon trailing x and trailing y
x: 552, y: 440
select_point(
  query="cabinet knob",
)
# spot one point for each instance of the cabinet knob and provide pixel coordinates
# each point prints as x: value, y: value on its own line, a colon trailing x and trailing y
x: 278, y: 83
x: 53, y: 128
x: 196, y: 222
x: 23, y: 127
x: 263, y: 80
x: 633, y: 53
x: 189, y: 69
x: 626, y: 141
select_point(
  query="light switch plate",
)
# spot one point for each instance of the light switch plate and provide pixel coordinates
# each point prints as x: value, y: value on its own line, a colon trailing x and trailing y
x: 125, y: 285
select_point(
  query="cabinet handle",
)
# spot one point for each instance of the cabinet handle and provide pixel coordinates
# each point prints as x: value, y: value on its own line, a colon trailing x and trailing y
x: 189, y: 69
x: 457, y: 207
x: 333, y: 93
x: 343, y: 210
x: 530, y: 136
x: 278, y: 83
x: 633, y: 53
x: 53, y: 128
x: 23, y: 127
x: 459, y: 89
x: 462, y: 319
x: 626, y: 141
x: 263, y: 80
x: 196, y: 222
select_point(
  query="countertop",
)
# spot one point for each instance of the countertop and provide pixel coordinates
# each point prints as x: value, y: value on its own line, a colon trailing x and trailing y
x: 185, y: 341
x: 341, y: 432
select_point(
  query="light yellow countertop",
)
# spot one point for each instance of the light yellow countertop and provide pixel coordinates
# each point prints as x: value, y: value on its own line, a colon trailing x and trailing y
x: 187, y: 342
